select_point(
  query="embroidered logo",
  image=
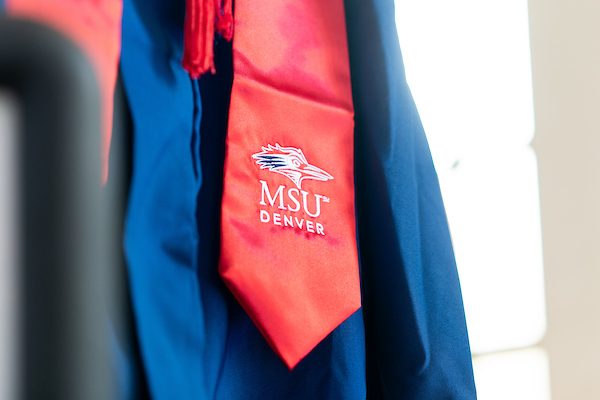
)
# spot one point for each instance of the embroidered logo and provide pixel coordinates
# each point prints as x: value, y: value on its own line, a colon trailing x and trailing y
x: 290, y: 207
x: 290, y: 162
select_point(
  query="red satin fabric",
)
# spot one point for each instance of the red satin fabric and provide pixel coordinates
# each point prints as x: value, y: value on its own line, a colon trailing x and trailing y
x: 202, y: 19
x: 291, y: 92
x: 96, y: 27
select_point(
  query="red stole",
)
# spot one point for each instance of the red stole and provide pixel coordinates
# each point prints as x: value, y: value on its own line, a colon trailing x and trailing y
x: 288, y: 245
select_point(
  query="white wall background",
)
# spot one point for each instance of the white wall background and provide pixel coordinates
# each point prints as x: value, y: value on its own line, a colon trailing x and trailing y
x: 565, y: 42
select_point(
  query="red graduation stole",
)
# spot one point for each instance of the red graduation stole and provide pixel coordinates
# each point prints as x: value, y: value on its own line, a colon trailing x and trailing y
x: 288, y: 238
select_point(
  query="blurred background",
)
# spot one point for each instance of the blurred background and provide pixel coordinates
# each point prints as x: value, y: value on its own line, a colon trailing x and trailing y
x: 509, y: 95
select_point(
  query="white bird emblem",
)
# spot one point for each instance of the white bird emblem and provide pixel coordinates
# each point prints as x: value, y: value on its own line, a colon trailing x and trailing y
x: 291, y: 162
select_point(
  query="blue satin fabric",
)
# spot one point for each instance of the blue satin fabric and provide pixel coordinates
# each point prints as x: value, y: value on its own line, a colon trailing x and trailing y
x: 408, y: 342
x: 417, y: 344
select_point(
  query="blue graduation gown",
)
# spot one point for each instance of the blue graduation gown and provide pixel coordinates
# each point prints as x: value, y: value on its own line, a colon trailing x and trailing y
x: 409, y: 341
x: 417, y: 345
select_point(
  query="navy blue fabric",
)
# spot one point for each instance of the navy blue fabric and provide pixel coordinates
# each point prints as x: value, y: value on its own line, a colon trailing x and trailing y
x: 161, y: 231
x: 417, y: 344
x: 195, y: 340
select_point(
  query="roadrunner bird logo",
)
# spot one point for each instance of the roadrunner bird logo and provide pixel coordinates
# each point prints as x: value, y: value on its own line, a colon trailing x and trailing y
x: 291, y: 162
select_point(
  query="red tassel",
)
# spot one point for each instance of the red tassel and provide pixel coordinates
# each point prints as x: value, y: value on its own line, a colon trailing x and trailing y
x: 202, y: 18
x: 225, y: 20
